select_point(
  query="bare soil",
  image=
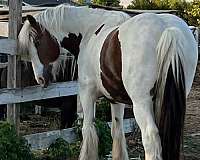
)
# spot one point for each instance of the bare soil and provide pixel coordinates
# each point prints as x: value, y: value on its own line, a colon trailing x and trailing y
x: 192, y: 121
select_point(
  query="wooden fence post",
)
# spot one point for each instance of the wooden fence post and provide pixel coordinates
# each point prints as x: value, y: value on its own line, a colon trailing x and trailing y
x: 14, y: 73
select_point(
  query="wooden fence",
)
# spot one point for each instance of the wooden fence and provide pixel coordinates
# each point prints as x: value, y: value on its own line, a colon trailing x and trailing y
x: 43, y: 140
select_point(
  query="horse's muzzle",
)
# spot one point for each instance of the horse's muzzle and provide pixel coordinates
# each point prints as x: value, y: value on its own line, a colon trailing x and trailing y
x: 46, y: 76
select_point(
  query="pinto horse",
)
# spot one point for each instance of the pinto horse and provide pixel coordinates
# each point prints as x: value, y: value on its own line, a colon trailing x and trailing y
x: 148, y: 61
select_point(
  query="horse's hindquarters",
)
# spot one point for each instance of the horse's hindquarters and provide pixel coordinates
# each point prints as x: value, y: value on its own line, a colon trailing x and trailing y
x: 138, y: 38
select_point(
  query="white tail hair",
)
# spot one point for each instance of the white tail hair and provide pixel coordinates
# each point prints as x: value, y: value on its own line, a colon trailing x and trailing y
x: 168, y: 53
x: 170, y: 92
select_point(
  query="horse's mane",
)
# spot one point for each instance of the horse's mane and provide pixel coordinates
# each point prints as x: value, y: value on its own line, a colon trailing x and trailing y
x: 65, y: 64
x: 53, y: 19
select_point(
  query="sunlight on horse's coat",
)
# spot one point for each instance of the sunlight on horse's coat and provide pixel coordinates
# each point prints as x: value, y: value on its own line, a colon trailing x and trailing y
x: 122, y: 57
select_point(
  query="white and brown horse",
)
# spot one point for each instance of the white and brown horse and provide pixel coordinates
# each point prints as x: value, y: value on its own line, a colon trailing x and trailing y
x: 148, y: 61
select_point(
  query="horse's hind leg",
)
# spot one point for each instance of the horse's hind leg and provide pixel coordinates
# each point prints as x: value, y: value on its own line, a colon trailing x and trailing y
x: 143, y: 111
x: 119, y: 151
x: 89, y: 150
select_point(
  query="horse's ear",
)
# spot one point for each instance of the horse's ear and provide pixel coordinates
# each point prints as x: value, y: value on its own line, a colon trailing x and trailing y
x: 32, y: 20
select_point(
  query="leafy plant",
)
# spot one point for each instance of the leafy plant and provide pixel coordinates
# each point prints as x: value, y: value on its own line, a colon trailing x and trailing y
x: 142, y: 4
x: 189, y: 11
x: 74, y: 149
x: 59, y: 150
x: 105, y: 139
x: 103, y: 108
x: 193, y: 13
x: 12, y: 146
x: 157, y: 4
x: 114, y: 3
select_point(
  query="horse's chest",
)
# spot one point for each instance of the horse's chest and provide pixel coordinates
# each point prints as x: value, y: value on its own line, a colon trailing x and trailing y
x: 111, y: 68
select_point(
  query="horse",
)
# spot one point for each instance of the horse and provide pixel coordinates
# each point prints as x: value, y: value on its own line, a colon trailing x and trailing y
x: 148, y: 61
x: 65, y: 71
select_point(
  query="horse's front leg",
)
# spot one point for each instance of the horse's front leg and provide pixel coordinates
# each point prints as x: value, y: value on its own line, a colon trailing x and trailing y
x: 119, y: 151
x: 89, y: 150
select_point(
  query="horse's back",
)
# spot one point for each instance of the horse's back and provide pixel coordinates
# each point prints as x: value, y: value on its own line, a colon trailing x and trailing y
x: 139, y: 38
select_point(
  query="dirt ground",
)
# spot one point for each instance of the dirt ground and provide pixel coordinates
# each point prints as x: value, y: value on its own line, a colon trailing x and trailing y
x: 192, y: 121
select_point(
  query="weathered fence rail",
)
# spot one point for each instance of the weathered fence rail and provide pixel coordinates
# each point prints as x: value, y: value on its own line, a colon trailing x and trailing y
x: 8, y: 46
x: 18, y: 95
x: 43, y: 140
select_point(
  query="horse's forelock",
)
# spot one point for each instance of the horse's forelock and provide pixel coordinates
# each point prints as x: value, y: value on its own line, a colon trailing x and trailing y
x: 24, y: 38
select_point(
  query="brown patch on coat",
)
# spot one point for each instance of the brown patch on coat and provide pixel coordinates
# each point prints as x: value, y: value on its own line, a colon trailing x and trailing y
x: 111, y: 68
x: 99, y: 29
x: 46, y: 44
x: 72, y: 43
x: 47, y: 47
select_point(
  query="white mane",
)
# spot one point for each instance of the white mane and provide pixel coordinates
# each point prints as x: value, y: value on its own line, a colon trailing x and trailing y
x: 63, y: 19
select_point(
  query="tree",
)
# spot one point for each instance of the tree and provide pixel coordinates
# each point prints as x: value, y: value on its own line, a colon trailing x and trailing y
x: 113, y: 3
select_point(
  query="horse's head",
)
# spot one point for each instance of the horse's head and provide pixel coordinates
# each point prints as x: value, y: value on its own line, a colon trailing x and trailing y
x: 41, y: 48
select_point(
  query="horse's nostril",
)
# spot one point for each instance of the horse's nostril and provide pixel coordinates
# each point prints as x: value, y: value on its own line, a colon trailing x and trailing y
x: 41, y: 80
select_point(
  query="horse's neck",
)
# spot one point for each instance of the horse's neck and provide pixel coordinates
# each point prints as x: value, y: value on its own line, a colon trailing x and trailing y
x: 62, y: 20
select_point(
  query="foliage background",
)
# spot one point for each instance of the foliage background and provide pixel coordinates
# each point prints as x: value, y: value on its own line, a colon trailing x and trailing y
x: 189, y: 11
x: 13, y: 147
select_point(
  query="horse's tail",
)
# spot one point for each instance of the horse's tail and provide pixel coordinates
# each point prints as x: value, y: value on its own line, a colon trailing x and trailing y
x: 170, y: 94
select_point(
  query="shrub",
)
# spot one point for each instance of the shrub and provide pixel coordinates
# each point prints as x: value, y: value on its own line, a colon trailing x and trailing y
x: 74, y: 149
x: 114, y: 3
x: 189, y: 11
x: 193, y: 13
x: 105, y: 139
x: 143, y: 4
x: 157, y: 4
x: 13, y: 147
x: 103, y: 110
x: 58, y: 150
